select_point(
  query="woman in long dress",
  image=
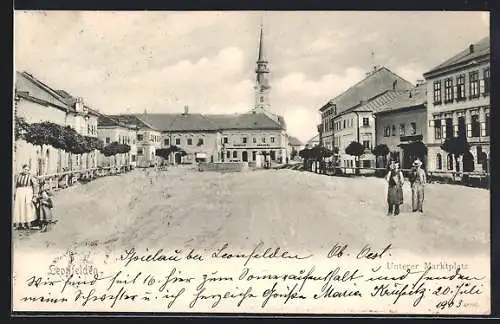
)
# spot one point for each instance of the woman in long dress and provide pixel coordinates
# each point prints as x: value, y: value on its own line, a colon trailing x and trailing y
x: 24, y: 199
x: 395, y: 180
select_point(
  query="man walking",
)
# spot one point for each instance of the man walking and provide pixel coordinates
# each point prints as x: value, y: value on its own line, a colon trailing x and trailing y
x: 417, y: 186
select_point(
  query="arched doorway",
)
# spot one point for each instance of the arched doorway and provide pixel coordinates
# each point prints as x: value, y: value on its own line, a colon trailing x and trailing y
x: 468, y: 162
x: 244, y: 156
x: 178, y: 158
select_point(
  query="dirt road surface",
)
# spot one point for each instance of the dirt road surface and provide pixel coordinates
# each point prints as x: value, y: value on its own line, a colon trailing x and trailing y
x: 182, y: 207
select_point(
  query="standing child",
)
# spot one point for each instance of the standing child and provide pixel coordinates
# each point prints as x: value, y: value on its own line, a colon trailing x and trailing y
x: 44, y: 209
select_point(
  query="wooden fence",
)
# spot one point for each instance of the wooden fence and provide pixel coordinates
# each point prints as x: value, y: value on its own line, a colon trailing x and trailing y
x: 66, y: 179
x: 475, y: 179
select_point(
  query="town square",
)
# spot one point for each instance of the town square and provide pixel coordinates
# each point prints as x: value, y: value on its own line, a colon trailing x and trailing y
x: 154, y: 131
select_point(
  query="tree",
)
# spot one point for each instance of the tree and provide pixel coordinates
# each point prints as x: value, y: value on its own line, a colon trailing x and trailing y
x: 381, y: 150
x: 355, y: 149
x: 457, y: 146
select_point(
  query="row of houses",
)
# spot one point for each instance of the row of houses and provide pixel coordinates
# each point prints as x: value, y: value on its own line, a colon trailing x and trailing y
x: 245, y: 137
x: 452, y: 100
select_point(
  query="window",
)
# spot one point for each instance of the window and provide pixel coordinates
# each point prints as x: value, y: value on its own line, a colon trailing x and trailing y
x: 344, y: 123
x: 244, y: 140
x: 261, y: 99
x: 448, y: 90
x: 133, y: 157
x: 140, y: 151
x: 190, y: 141
x: 272, y: 139
x: 140, y: 137
x: 366, y: 121
x: 474, y: 84
x: 413, y: 128
x: 461, y: 127
x: 235, y: 154
x: 439, y: 161
x: 387, y: 131
x: 449, y: 161
x: 393, y: 130
x: 487, y: 125
x: 254, y: 140
x: 228, y: 154
x: 486, y: 81
x: 177, y: 141
x: 437, y: 129
x: 437, y: 92
x: 475, y: 129
x: 200, y: 142
x: 366, y: 144
x: 108, y: 140
x: 402, y: 130
x: 225, y: 140
x: 449, y: 128
x: 263, y: 139
x: 479, y: 154
x: 166, y: 141
x: 460, y: 87
x: 366, y: 164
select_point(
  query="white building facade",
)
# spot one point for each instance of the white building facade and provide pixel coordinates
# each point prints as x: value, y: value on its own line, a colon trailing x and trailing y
x: 458, y: 96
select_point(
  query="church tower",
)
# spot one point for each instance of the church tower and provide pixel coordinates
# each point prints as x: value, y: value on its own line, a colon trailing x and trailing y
x: 262, y: 87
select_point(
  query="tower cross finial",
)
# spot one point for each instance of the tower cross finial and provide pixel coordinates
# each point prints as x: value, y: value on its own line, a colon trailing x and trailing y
x: 372, y: 56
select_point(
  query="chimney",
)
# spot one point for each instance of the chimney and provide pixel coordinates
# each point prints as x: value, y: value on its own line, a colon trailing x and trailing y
x: 79, y: 104
x: 394, y: 84
x: 471, y: 48
x: 410, y: 94
x: 186, y: 109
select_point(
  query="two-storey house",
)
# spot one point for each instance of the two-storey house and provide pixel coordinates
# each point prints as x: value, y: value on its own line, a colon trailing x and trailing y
x: 349, y: 116
x: 401, y: 124
x: 458, y: 96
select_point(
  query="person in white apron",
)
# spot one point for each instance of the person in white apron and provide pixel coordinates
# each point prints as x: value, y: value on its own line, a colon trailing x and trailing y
x: 24, y: 199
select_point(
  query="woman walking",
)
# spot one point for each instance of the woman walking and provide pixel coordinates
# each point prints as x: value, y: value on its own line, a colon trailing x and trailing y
x: 395, y: 190
x: 417, y: 186
x: 24, y: 199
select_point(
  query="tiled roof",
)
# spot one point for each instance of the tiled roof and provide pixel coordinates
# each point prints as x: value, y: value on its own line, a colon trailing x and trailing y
x: 377, y: 82
x: 200, y: 122
x: 244, y: 121
x: 294, y: 141
x: 403, y: 100
x: 479, y: 49
x: 314, y: 139
x: 111, y: 121
x: 34, y: 88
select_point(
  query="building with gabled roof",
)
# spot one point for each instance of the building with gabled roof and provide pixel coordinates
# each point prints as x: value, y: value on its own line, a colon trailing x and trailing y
x: 401, y: 124
x: 349, y: 116
x: 458, y: 105
x: 36, y: 101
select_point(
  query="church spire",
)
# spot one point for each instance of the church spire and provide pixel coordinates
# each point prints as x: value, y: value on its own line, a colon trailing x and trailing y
x: 262, y: 57
x: 262, y: 77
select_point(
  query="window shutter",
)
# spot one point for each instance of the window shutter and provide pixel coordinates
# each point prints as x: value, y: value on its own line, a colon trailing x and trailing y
x: 469, y: 130
x: 481, y: 87
x: 455, y: 92
x: 483, y: 129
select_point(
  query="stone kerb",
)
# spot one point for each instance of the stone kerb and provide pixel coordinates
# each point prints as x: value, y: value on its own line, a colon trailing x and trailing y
x: 224, y: 166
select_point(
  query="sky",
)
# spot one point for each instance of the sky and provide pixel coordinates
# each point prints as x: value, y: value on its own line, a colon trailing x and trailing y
x: 126, y: 62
